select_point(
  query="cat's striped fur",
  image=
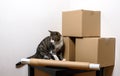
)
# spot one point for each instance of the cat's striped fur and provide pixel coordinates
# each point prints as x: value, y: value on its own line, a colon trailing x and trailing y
x: 51, y: 47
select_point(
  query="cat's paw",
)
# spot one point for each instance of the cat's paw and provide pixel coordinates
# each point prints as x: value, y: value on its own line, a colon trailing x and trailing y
x: 64, y: 60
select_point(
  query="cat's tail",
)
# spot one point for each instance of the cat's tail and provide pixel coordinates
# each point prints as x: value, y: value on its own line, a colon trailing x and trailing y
x: 21, y: 63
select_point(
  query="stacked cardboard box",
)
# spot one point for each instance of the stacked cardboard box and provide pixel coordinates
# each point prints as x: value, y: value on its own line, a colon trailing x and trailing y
x: 81, y: 31
x: 38, y: 72
x: 81, y: 23
x: 92, y: 73
x: 69, y: 48
x: 42, y: 73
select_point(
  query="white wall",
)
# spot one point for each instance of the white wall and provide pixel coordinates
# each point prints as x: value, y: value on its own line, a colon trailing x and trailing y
x: 110, y: 21
x: 23, y: 24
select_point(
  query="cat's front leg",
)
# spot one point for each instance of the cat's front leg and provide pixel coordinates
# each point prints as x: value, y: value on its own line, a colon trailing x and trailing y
x: 46, y: 57
x: 64, y: 60
x: 54, y: 55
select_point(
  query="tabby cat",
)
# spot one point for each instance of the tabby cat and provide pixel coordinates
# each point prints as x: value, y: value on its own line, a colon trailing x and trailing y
x: 51, y: 47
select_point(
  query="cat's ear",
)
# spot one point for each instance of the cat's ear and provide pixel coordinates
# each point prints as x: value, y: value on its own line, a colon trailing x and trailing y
x: 50, y: 31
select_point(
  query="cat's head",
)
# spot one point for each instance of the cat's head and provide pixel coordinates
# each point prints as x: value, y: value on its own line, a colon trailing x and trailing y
x: 55, y: 36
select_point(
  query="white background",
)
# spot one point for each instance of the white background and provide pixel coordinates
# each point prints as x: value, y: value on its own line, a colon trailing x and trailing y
x: 110, y: 21
x: 24, y: 23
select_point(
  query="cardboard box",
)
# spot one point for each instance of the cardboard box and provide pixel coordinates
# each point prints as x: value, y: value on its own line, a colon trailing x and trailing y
x: 81, y: 23
x: 92, y: 73
x: 96, y: 50
x: 40, y: 73
x: 69, y: 48
x: 108, y: 71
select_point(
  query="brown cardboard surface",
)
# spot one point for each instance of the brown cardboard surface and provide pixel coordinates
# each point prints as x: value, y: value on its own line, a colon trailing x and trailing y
x: 108, y: 71
x: 69, y: 48
x: 81, y: 23
x: 92, y: 73
x: 40, y: 73
x: 96, y: 50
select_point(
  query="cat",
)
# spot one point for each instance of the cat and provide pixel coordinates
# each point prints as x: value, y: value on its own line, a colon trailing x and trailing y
x: 51, y: 47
